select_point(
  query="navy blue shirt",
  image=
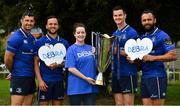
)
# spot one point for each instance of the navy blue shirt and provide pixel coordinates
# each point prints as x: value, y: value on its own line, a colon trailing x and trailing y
x: 124, y: 68
x: 161, y: 45
x: 22, y: 45
x: 46, y: 73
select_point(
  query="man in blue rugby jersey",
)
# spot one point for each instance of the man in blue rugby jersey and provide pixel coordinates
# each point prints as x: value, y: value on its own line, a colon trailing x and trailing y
x: 154, y: 78
x: 50, y: 77
x: 124, y: 80
x: 19, y: 60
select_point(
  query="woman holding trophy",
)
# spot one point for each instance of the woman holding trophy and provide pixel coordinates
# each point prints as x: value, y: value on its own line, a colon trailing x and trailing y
x: 82, y: 70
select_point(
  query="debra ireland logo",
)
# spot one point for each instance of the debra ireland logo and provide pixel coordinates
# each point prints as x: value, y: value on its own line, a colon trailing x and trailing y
x: 136, y: 49
x: 52, y: 54
x: 84, y: 54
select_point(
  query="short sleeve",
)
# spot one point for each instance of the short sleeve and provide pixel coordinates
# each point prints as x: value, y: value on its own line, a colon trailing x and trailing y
x: 13, y: 43
x: 36, y: 48
x: 70, y: 59
x: 167, y: 43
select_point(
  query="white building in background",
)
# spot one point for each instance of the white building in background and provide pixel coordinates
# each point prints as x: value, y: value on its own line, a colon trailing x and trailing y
x: 177, y: 62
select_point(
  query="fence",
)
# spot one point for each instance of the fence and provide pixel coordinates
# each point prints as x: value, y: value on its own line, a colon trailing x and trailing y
x: 3, y: 70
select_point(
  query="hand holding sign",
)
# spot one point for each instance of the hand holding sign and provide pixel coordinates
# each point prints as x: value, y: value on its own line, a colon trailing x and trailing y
x: 52, y: 54
x: 139, y: 48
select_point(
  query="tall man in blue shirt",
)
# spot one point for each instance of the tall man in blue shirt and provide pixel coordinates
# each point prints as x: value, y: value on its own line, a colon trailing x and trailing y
x: 19, y: 60
x: 154, y: 78
x: 124, y: 81
x: 50, y: 77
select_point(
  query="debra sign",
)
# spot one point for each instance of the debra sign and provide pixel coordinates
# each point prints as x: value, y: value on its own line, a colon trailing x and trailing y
x: 52, y: 54
x: 138, y: 48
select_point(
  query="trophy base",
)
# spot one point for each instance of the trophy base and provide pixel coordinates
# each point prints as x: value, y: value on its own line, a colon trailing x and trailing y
x: 99, y: 82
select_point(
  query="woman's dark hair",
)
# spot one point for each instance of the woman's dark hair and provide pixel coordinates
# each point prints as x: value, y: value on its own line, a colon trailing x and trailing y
x: 78, y: 24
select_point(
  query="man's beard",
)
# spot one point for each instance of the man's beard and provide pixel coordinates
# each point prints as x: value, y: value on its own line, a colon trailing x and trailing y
x: 50, y: 32
x: 149, y: 29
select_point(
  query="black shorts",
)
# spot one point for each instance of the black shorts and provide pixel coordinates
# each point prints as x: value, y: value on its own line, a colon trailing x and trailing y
x: 125, y: 84
x: 154, y: 88
x: 22, y: 85
x: 55, y: 91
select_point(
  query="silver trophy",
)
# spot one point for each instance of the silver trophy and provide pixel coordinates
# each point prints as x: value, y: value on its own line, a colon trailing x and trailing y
x: 102, y: 54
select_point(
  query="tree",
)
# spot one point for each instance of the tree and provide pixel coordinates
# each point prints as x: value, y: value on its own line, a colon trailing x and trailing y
x: 96, y: 14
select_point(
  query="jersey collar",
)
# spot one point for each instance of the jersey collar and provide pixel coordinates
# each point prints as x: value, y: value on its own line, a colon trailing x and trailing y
x: 25, y: 34
x: 152, y: 32
x: 123, y: 29
x: 50, y: 38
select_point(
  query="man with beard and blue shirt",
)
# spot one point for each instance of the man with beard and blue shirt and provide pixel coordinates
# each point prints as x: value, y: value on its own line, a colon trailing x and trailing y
x: 18, y: 59
x: 154, y: 77
x: 124, y: 74
x: 50, y: 77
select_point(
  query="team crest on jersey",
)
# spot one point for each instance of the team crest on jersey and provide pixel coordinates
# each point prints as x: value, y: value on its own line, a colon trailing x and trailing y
x: 168, y: 41
x: 153, y: 39
x: 124, y: 36
x: 25, y: 41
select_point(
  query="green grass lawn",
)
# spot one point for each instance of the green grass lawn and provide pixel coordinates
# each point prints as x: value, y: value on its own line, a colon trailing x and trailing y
x: 173, y: 95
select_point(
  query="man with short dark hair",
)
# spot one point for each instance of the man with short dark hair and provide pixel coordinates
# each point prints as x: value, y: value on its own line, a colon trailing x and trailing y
x: 124, y: 74
x: 18, y: 59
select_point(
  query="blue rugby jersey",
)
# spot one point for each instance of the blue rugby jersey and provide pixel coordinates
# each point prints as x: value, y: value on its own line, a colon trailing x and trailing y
x: 161, y: 45
x: 22, y: 45
x: 81, y: 58
x: 122, y: 67
x: 46, y: 73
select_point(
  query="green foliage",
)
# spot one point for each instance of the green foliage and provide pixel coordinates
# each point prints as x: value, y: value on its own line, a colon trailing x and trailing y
x: 1, y: 54
x: 96, y: 14
x: 2, y: 50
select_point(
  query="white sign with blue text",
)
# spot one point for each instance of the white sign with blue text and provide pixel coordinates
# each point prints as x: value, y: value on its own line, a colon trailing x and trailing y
x: 52, y: 54
x: 136, y: 49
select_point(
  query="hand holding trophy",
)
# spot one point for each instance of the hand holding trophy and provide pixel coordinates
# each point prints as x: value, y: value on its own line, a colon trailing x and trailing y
x: 102, y: 53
